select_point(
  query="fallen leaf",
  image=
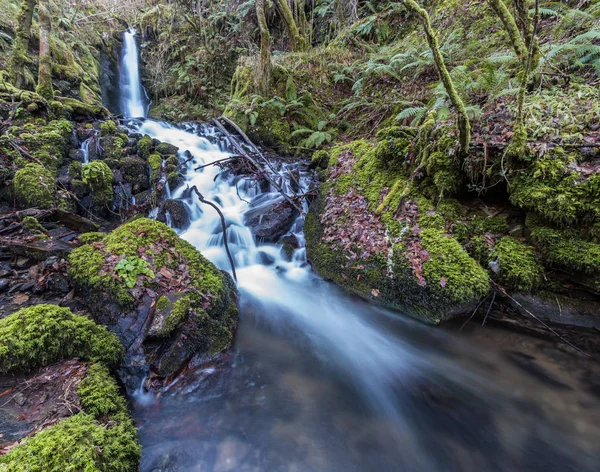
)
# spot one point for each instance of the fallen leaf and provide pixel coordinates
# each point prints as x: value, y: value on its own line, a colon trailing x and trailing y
x: 443, y: 282
x: 375, y: 292
x: 20, y: 298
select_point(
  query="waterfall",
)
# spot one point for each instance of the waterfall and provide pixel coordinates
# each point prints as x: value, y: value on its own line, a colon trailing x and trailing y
x: 132, y: 95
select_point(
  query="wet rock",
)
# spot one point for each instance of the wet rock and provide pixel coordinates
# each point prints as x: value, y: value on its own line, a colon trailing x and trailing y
x: 177, y: 210
x: 288, y: 245
x: 4, y: 283
x: 135, y: 172
x: 160, y: 329
x: 41, y: 250
x: 271, y: 222
x: 165, y: 149
x: 123, y: 197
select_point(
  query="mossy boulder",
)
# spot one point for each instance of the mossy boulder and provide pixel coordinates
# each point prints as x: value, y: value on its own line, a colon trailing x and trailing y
x: 98, y: 176
x: 34, y: 186
x: 100, y: 437
x: 39, y: 335
x: 515, y: 265
x: 123, y: 277
x: 373, y: 233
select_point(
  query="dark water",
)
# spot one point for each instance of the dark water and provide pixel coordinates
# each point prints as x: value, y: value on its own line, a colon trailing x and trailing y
x: 282, y: 403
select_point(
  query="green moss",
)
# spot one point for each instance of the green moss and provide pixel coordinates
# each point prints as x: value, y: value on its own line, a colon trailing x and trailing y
x: 166, y: 149
x: 77, y: 443
x: 33, y: 226
x: 517, y: 265
x: 565, y: 248
x: 481, y: 225
x: 162, y: 303
x: 155, y: 162
x: 108, y: 128
x: 92, y: 237
x: 465, y: 279
x: 34, y: 186
x: 99, y: 177
x: 43, y: 334
x: 552, y: 188
x: 99, y: 393
x: 145, y: 146
x: 75, y: 168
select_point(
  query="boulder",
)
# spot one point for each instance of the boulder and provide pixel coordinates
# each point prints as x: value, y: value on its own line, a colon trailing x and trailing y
x: 178, y: 213
x: 270, y: 222
x: 164, y: 300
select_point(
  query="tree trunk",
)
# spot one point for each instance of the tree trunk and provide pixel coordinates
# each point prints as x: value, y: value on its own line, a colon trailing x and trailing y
x: 264, y: 67
x: 511, y: 27
x: 44, y: 87
x: 464, y: 125
x: 296, y: 39
x: 21, y: 46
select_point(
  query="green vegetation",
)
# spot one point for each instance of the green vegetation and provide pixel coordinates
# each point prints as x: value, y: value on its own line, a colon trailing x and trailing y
x: 130, y: 269
x: 518, y: 267
x: 42, y: 334
x: 34, y: 186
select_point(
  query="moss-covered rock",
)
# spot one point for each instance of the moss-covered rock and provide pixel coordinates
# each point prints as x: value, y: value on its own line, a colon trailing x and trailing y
x: 100, y: 438
x: 145, y: 146
x: 99, y: 177
x: 33, y: 226
x: 34, y: 186
x: 101, y: 272
x: 372, y: 232
x: 516, y: 265
x: 42, y: 334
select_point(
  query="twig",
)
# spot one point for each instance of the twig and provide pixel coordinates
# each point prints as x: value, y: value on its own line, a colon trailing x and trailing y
x: 553, y: 331
x: 201, y: 197
x: 474, y: 311
x: 215, y: 162
x: 488, y: 310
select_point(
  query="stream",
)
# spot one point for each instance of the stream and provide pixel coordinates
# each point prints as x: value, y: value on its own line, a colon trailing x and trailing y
x: 318, y: 380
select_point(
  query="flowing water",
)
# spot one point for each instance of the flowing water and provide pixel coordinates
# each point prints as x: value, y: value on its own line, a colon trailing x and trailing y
x: 320, y: 381
x: 132, y: 94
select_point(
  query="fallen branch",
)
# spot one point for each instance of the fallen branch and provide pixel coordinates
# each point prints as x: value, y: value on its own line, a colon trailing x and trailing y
x: 245, y: 155
x: 224, y: 226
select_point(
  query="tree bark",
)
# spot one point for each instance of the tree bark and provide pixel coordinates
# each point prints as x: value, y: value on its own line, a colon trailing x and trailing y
x: 297, y: 40
x: 21, y: 45
x: 264, y: 67
x: 464, y: 125
x: 511, y: 27
x: 44, y: 87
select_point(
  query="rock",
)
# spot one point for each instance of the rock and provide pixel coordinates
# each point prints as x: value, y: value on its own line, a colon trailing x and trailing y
x: 135, y: 171
x: 271, y: 222
x: 288, y: 245
x: 42, y: 249
x: 4, y: 283
x: 165, y: 149
x: 177, y: 210
x: 123, y: 197
x: 161, y: 328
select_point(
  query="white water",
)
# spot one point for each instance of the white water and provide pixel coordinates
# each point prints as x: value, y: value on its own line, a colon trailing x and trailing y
x: 132, y: 96
x: 382, y: 365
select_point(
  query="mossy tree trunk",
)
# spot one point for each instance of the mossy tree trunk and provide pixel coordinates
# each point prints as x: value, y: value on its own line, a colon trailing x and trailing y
x: 44, y: 86
x: 21, y: 45
x: 464, y: 125
x: 517, y: 147
x: 525, y: 24
x: 263, y: 72
x: 297, y: 40
x: 511, y: 27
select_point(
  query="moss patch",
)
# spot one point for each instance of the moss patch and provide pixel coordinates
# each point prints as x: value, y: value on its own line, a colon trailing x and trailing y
x: 34, y: 186
x: 518, y: 267
x: 42, y: 334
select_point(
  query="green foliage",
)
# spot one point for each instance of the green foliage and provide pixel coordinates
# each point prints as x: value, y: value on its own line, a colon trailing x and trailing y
x: 43, y: 334
x: 130, y: 269
x: 99, y: 177
x: 33, y: 226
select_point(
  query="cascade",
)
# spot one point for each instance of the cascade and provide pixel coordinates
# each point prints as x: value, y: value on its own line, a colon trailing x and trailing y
x: 132, y: 93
